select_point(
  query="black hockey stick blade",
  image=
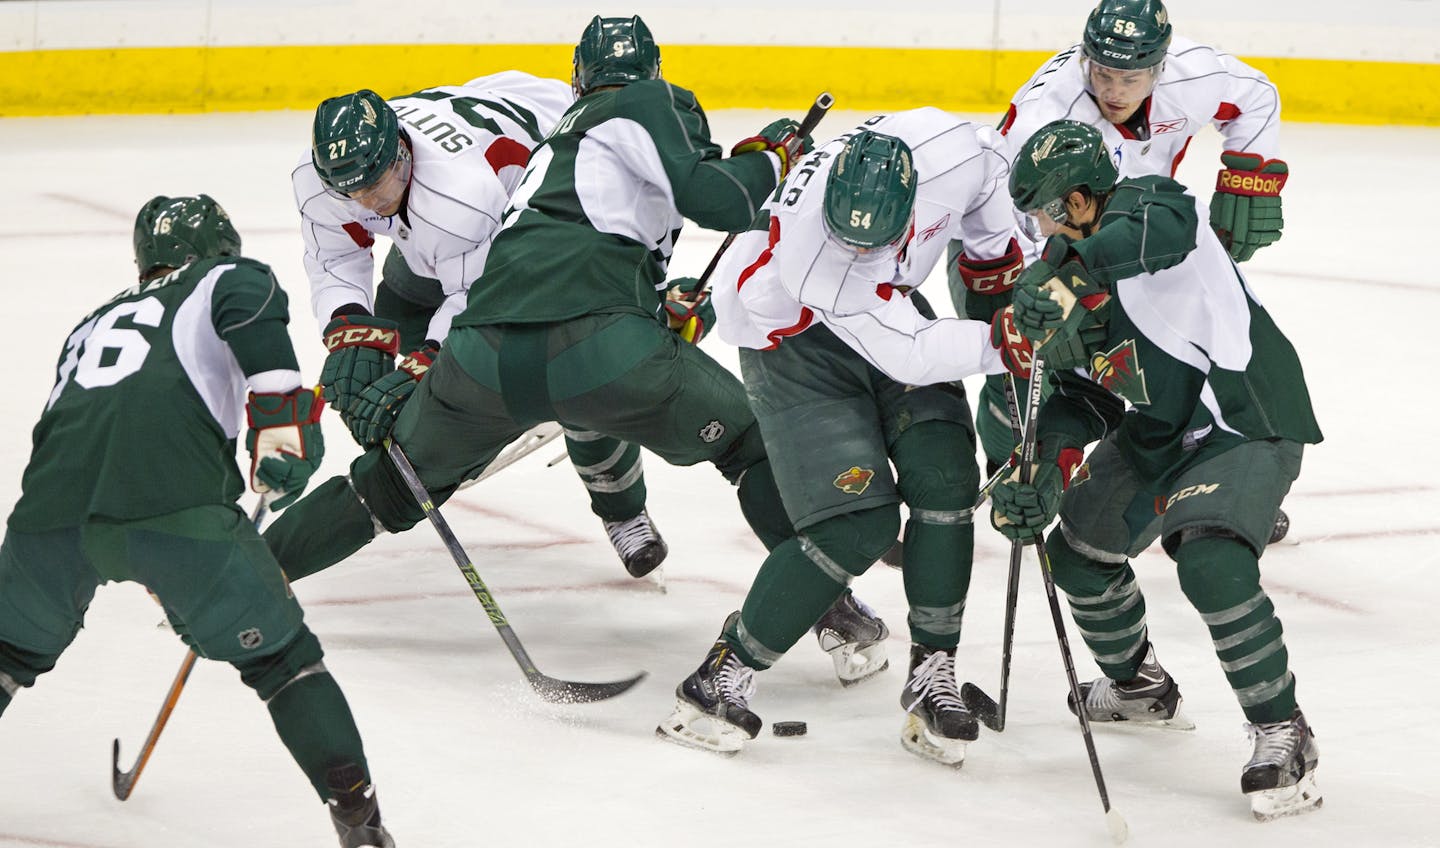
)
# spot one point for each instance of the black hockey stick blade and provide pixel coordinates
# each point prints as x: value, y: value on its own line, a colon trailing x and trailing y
x: 122, y: 782
x: 982, y: 706
x: 556, y: 691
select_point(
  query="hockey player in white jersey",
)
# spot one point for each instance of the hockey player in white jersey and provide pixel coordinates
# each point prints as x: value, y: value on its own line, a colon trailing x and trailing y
x: 848, y: 370
x: 432, y: 171
x: 1148, y: 92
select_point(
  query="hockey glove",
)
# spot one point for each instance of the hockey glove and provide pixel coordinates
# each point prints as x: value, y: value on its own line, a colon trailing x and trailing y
x: 988, y: 282
x: 779, y: 138
x: 1022, y: 511
x: 362, y: 350
x: 689, y: 311
x: 373, y: 415
x: 284, y: 442
x: 1016, y: 351
x: 1245, y: 212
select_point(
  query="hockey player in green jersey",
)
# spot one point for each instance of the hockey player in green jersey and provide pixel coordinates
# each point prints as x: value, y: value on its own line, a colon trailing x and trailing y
x: 566, y: 322
x: 1162, y: 353
x: 156, y: 378
x: 433, y: 171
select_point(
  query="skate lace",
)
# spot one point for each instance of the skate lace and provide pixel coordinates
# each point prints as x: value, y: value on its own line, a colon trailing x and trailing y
x: 632, y: 535
x: 1275, y: 742
x: 735, y: 681
x: 934, y: 679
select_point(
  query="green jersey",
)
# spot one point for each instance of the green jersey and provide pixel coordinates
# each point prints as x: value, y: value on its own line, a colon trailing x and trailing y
x: 594, y: 221
x: 149, y: 395
x: 1197, y: 361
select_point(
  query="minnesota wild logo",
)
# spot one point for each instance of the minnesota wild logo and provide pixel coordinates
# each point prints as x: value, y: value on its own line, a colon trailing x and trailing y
x: 1119, y: 371
x: 854, y: 480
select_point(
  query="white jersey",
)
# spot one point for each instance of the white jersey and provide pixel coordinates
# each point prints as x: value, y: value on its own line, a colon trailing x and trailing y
x: 470, y: 144
x: 1198, y: 85
x: 777, y: 282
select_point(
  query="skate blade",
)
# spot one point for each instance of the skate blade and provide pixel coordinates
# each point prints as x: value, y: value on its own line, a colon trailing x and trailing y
x: 916, y: 739
x: 1269, y: 804
x: 1179, y: 721
x: 654, y: 581
x: 856, y: 664
x: 692, y: 728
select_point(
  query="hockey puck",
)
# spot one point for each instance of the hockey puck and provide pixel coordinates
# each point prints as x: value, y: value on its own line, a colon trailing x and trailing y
x: 788, y: 728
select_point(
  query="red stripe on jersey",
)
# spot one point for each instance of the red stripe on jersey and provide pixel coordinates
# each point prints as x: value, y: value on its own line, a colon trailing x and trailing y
x: 764, y: 256
x: 1227, y: 112
x: 506, y: 151
x: 776, y: 336
x: 1009, y: 121
x: 1175, y: 166
x: 359, y: 234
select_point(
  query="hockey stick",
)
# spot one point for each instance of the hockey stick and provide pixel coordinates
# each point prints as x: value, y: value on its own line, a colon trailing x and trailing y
x: 1119, y: 830
x: 822, y: 104
x: 123, y: 782
x: 548, y: 688
x: 982, y: 705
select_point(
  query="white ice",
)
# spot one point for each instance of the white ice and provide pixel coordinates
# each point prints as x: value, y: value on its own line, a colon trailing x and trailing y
x: 464, y: 755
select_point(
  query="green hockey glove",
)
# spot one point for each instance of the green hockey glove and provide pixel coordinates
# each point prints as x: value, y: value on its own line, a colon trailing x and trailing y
x: 779, y: 138
x: 1245, y: 212
x: 285, y: 442
x: 689, y: 311
x: 373, y: 414
x: 362, y: 350
x: 1022, y: 511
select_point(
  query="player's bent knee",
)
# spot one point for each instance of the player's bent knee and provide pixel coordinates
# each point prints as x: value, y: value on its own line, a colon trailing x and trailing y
x: 745, y: 451
x: 268, y: 673
x: 936, y: 465
x: 854, y: 540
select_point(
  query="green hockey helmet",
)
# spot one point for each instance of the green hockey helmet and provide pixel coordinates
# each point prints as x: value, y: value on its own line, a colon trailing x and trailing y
x: 1059, y: 158
x: 1128, y: 34
x: 354, y: 140
x: 614, y: 51
x: 870, y: 192
x: 172, y: 232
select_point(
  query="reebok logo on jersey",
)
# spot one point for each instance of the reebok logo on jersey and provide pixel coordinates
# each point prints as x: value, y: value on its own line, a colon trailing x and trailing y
x: 930, y: 231
x: 1119, y: 371
x: 854, y: 480
x: 1171, y: 126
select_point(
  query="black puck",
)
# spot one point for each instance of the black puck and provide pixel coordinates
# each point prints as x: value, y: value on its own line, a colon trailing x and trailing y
x: 788, y: 728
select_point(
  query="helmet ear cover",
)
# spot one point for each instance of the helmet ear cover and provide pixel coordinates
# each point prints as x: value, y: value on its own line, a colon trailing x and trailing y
x: 354, y: 140
x: 172, y: 232
x: 614, y: 51
x: 870, y: 191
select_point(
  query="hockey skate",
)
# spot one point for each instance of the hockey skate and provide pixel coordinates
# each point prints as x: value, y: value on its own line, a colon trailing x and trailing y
x: 638, y: 544
x: 1150, y: 699
x: 712, y: 706
x: 354, y: 809
x: 937, y: 724
x: 854, y: 637
x: 1280, y: 777
x: 1281, y: 528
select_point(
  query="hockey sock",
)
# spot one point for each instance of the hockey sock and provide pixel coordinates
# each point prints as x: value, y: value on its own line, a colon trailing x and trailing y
x: 801, y: 579
x: 610, y: 470
x: 938, y: 480
x: 1221, y: 577
x: 314, y: 721
x: 1107, y: 605
x: 320, y: 529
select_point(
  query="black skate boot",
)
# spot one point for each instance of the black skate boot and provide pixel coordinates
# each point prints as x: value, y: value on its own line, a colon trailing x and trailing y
x: 354, y: 809
x: 712, y: 706
x: 1150, y: 698
x: 1280, y: 777
x: 638, y: 544
x: 1281, y: 528
x: 854, y: 637
x: 937, y: 724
